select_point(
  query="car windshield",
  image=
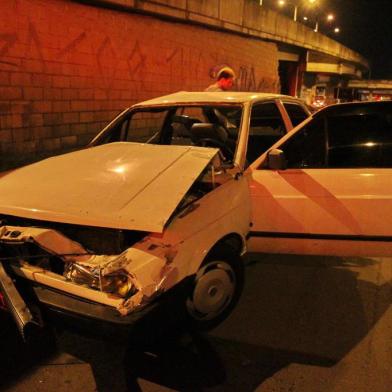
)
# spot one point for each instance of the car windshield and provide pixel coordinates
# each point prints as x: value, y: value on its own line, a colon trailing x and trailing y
x: 199, y: 125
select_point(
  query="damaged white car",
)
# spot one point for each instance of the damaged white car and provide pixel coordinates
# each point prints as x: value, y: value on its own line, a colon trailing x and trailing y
x: 156, y: 203
x: 174, y: 190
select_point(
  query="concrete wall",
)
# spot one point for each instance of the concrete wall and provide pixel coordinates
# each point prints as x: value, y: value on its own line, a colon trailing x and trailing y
x: 244, y: 16
x: 67, y: 68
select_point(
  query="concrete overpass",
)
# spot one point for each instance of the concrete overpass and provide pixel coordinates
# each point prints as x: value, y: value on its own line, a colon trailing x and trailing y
x: 248, y: 18
x: 301, y: 50
x: 67, y: 67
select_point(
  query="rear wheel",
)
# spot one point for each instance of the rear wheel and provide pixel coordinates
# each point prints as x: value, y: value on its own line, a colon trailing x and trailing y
x: 216, y: 288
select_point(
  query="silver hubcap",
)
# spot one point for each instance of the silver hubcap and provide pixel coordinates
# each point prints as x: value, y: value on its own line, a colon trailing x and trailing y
x: 214, y: 289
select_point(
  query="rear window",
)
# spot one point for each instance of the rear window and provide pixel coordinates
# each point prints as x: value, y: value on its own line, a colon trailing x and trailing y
x: 363, y: 140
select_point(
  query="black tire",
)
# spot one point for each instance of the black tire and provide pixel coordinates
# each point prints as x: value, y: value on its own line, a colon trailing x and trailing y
x: 215, y: 290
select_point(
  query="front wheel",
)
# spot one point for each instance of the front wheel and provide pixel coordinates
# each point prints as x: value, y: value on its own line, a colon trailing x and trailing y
x: 216, y: 289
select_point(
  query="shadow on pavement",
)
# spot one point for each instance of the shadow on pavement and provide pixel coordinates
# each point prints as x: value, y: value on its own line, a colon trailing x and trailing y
x: 292, y: 311
x: 311, y: 311
x: 310, y: 305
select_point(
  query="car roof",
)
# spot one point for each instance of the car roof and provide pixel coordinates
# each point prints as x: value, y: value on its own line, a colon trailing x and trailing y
x: 184, y: 97
x: 355, y: 108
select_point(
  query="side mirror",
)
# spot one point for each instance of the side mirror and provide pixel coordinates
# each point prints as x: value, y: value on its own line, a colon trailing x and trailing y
x: 276, y: 160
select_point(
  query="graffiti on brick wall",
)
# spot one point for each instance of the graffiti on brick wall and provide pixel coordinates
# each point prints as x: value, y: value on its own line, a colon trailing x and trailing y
x: 136, y: 60
x: 248, y: 81
x: 115, y: 70
x: 72, y: 45
x: 7, y: 41
x: 65, y: 68
x: 34, y: 43
x: 107, y: 59
x: 178, y: 64
x: 137, y: 66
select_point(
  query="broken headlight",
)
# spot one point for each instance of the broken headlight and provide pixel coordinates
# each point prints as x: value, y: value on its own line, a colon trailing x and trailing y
x: 117, y: 283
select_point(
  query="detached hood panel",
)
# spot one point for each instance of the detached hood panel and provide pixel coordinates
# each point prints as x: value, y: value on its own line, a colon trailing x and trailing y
x: 118, y: 185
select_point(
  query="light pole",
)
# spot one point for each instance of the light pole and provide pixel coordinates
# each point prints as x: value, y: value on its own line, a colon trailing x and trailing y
x: 282, y: 3
x: 295, y: 12
x: 310, y: 6
x: 295, y: 4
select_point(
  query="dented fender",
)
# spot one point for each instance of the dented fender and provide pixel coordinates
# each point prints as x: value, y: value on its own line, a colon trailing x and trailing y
x: 222, y: 212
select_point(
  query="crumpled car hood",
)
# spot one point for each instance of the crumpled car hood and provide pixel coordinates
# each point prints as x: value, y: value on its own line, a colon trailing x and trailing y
x: 119, y: 185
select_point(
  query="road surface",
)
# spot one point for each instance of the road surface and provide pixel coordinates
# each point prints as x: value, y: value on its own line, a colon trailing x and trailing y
x: 303, y: 324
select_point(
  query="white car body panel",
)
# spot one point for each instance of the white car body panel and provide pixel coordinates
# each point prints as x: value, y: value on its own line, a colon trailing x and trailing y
x: 222, y: 212
x: 320, y: 247
x: 119, y: 185
x: 229, y: 97
x: 322, y: 205
x: 322, y: 201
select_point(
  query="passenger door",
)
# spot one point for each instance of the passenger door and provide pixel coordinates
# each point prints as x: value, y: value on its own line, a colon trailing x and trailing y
x: 335, y: 196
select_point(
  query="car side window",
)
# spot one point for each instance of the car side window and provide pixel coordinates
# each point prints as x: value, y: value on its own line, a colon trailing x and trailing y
x: 360, y: 140
x: 138, y: 126
x: 117, y: 133
x: 296, y: 113
x: 266, y: 127
x: 307, y: 148
x: 145, y: 127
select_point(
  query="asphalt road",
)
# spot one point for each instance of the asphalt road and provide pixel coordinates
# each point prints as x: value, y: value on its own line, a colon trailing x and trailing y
x: 312, y: 324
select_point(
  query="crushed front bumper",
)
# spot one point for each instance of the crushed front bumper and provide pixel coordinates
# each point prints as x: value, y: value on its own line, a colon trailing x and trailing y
x: 78, y: 308
x: 11, y: 297
x: 33, y: 305
x: 61, y: 309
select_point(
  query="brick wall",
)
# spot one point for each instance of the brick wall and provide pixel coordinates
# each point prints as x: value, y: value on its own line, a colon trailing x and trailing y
x: 66, y: 69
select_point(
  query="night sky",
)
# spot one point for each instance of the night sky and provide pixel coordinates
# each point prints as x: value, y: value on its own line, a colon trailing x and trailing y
x: 366, y: 27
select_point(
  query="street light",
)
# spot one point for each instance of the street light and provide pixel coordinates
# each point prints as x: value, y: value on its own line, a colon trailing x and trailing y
x: 311, y: 6
x: 330, y: 17
x: 282, y: 3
